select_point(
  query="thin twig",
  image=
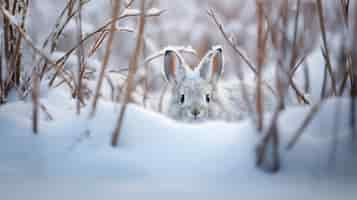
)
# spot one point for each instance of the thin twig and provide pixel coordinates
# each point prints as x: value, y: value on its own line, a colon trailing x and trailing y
x: 131, y: 76
x: 310, y: 116
x: 212, y: 14
x: 116, y: 11
x: 326, y: 49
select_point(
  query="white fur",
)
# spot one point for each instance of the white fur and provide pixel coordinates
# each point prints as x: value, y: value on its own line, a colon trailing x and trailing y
x: 225, y: 102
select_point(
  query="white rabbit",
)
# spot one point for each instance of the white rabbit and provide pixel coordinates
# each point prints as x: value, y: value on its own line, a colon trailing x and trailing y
x: 194, y: 94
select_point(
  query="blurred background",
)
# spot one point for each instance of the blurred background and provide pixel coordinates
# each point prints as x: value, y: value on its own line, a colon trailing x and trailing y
x: 186, y: 23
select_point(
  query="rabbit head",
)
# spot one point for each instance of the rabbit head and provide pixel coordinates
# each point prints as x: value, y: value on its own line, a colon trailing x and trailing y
x: 193, y: 92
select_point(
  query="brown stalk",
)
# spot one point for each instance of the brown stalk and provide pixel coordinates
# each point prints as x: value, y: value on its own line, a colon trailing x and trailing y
x: 28, y: 39
x: 261, y: 46
x: 2, y: 91
x: 353, y: 91
x: 129, y: 3
x: 131, y: 76
x: 116, y: 11
x: 87, y: 37
x: 45, y: 110
x: 345, y: 11
x: 306, y: 79
x: 271, y: 137
x: 70, y: 7
x: 212, y: 14
x: 310, y: 116
x: 81, y: 60
x: 294, y: 50
x: 54, y: 36
x: 293, y: 65
x: 100, y: 39
x: 146, y: 77
x: 7, y: 35
x: 35, y: 101
x: 326, y: 49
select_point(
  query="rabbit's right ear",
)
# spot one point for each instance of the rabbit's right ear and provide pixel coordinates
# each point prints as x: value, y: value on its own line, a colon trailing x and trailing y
x: 174, y: 69
x: 211, y: 65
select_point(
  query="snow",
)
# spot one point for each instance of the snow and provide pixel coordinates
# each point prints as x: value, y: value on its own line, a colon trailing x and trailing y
x: 158, y: 158
x: 149, y: 12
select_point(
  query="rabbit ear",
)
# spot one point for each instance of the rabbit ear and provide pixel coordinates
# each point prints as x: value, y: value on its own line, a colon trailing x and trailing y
x: 174, y: 69
x: 211, y: 66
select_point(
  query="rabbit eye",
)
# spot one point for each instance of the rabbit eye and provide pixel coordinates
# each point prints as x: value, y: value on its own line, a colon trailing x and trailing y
x: 208, y: 98
x: 182, y: 98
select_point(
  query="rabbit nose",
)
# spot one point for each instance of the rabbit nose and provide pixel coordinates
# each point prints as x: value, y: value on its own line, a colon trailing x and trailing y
x: 195, y: 112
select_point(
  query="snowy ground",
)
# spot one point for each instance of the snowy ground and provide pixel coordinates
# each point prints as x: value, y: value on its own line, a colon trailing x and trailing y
x: 158, y: 158
x: 161, y: 159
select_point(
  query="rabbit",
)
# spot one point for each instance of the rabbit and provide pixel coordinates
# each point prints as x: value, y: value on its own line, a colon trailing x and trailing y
x: 194, y: 95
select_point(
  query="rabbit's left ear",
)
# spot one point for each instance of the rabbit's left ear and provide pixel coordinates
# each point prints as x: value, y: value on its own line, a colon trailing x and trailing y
x: 211, y: 65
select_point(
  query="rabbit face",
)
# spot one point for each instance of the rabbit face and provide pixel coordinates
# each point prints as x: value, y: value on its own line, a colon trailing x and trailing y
x: 191, y: 99
x: 193, y: 92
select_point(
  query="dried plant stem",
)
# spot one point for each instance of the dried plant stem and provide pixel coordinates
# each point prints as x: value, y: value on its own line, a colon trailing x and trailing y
x: 60, y: 26
x: 353, y: 91
x: 212, y: 14
x: 28, y: 40
x: 35, y: 101
x: 293, y: 64
x: 7, y: 29
x: 146, y: 78
x: 2, y: 90
x: 345, y: 11
x: 45, y: 110
x: 261, y: 46
x: 326, y: 49
x: 294, y: 49
x: 70, y: 7
x: 131, y: 76
x: 63, y: 59
x: 81, y: 60
x: 116, y: 11
x: 310, y: 116
x: 271, y: 137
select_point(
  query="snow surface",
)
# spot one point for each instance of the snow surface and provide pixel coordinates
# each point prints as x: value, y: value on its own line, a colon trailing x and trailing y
x: 158, y: 158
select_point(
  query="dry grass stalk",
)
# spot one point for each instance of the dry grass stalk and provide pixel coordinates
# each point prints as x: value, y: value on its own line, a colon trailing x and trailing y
x: 283, y: 80
x: 325, y: 48
x: 101, y: 29
x: 70, y: 4
x: 116, y: 11
x: 28, y: 39
x: 2, y: 90
x: 240, y: 73
x: 35, y: 101
x: 45, y: 110
x: 353, y: 91
x: 309, y: 117
x: 131, y: 76
x: 271, y: 137
x: 306, y: 79
x: 53, y: 38
x: 261, y: 54
x: 16, y: 56
x: 81, y: 60
x: 345, y: 4
x: 290, y: 74
x: 212, y: 14
x: 146, y: 77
